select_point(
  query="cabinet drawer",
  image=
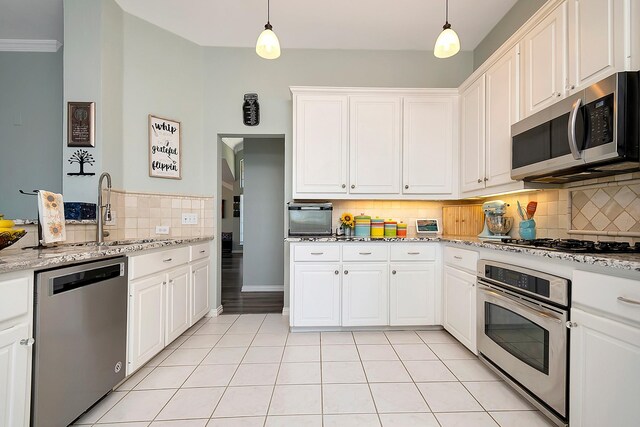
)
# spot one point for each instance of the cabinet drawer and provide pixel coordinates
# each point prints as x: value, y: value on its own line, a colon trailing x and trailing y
x: 143, y: 265
x: 417, y: 252
x: 461, y: 258
x: 316, y: 253
x: 200, y: 251
x: 378, y: 252
x: 14, y: 298
x: 613, y: 295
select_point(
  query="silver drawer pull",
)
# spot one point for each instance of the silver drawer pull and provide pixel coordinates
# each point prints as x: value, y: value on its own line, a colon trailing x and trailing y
x: 457, y: 257
x: 346, y: 272
x: 203, y: 251
x: 317, y: 253
x: 365, y: 253
x: 629, y: 300
x: 393, y: 272
x: 28, y: 342
x: 336, y: 272
x: 413, y: 253
x: 167, y: 260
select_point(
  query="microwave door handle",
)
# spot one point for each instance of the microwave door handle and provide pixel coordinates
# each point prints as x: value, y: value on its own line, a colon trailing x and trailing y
x: 521, y: 304
x: 573, y: 143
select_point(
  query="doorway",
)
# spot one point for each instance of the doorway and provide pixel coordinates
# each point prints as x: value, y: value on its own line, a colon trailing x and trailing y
x: 251, y: 225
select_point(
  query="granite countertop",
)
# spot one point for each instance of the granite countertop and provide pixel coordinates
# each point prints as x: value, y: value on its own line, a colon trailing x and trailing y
x: 38, y: 259
x: 624, y: 261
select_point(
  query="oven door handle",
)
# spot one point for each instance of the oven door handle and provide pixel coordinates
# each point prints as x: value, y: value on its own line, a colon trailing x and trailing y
x: 521, y: 304
x: 573, y: 143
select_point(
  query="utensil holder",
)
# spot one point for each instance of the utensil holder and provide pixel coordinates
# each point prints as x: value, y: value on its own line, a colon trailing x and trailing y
x: 528, y: 229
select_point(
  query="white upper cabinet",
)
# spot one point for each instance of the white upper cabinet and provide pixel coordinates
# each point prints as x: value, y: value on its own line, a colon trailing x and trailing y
x: 502, y: 98
x: 596, y: 40
x: 374, y: 144
x: 545, y: 61
x: 321, y: 144
x: 472, y: 123
x: 428, y: 136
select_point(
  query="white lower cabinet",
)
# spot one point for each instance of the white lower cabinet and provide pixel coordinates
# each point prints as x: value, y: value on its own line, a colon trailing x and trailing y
x: 459, y: 301
x: 178, y: 303
x: 14, y: 376
x: 604, y: 371
x: 365, y: 294
x: 200, y: 290
x: 316, y: 300
x: 146, y: 336
x: 412, y: 299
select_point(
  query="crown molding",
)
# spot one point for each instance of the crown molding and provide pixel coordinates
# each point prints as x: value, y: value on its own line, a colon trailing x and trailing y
x: 22, y: 45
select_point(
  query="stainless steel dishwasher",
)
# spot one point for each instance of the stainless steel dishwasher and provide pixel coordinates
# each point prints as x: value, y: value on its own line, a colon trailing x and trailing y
x: 80, y: 338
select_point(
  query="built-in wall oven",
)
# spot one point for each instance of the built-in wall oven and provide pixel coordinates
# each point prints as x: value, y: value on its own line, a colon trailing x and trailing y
x: 522, y: 333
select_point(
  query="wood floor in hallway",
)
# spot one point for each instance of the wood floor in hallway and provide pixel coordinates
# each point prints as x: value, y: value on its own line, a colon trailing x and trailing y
x: 234, y: 301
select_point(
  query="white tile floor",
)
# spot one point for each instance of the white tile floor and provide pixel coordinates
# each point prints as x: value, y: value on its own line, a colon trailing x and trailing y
x: 246, y: 371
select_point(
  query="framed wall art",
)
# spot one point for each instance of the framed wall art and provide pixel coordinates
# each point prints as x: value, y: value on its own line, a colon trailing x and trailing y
x: 81, y: 119
x: 165, y: 150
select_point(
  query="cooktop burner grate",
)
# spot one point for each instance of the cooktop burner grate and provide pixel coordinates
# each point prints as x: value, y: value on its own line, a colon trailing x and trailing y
x: 574, y: 245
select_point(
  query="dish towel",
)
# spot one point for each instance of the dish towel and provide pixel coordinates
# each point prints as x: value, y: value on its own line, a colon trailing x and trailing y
x: 51, y: 212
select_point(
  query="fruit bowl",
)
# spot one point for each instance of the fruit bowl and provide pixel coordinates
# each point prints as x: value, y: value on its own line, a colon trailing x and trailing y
x: 8, y: 238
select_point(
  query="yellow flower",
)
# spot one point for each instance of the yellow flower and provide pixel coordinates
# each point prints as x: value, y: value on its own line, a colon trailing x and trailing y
x: 347, y: 219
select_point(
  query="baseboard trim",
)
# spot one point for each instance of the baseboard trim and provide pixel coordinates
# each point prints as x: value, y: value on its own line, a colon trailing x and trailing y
x: 269, y: 288
x: 215, y: 312
x: 285, y: 311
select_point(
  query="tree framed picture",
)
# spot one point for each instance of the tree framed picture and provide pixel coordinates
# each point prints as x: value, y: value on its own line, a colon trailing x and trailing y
x: 165, y: 150
x: 81, y: 119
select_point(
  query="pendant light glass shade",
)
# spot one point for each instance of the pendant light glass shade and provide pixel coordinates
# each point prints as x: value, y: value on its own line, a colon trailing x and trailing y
x: 268, y: 45
x: 448, y: 42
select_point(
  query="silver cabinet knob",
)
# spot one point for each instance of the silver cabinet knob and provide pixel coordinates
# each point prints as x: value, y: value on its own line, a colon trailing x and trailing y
x: 558, y: 94
x: 27, y: 342
x: 486, y: 179
x: 336, y: 272
x: 571, y: 324
x: 344, y: 185
x: 393, y: 272
x: 353, y: 186
x: 406, y: 187
x: 346, y: 272
x: 479, y: 180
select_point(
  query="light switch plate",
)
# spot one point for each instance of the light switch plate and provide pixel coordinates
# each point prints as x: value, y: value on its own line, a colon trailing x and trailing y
x: 189, y: 218
x: 162, y: 229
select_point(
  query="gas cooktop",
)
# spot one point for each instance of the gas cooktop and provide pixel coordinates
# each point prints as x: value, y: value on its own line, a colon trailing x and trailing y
x: 573, y: 245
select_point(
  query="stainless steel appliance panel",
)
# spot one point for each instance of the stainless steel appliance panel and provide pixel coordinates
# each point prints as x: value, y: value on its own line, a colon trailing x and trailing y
x: 310, y: 219
x: 80, y: 339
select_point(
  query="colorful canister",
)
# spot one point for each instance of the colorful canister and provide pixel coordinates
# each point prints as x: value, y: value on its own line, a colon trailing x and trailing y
x: 377, y: 228
x: 363, y: 225
x: 390, y: 228
x: 402, y: 229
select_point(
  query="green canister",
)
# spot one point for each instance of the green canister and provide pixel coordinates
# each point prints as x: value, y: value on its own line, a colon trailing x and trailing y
x: 390, y: 228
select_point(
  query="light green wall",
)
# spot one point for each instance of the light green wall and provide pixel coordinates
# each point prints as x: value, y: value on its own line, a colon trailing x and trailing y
x: 508, y: 25
x: 163, y: 76
x: 30, y: 129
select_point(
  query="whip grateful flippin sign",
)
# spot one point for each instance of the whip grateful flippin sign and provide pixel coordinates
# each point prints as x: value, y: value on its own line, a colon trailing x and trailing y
x: 165, y: 151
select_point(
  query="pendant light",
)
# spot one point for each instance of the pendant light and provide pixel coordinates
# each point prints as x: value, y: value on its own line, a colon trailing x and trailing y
x: 448, y: 43
x: 268, y: 46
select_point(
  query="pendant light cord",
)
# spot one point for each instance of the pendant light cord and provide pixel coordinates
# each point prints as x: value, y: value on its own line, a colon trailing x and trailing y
x: 446, y: 13
x: 269, y: 9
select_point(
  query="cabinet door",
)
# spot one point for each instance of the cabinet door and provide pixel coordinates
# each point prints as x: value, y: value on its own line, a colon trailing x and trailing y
x: 459, y: 300
x: 199, y: 291
x: 596, y: 40
x: 428, y: 124
x: 320, y: 146
x: 178, y: 303
x: 472, y: 134
x: 146, y: 319
x: 316, y: 294
x: 412, y: 294
x: 545, y: 58
x: 604, y: 372
x: 14, y: 376
x: 501, y: 112
x: 365, y: 298
x: 374, y: 144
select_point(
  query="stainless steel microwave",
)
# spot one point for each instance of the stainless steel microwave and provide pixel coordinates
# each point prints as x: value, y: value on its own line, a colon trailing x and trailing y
x: 310, y: 219
x: 590, y: 134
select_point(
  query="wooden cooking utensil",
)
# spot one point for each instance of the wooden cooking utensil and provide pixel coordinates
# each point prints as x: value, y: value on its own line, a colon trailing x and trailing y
x: 531, y: 209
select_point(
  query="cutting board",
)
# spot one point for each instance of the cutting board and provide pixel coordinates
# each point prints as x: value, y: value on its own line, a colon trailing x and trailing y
x: 462, y: 220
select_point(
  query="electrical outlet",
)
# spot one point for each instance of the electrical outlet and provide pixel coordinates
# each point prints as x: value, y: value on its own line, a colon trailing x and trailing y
x: 189, y: 218
x: 162, y: 229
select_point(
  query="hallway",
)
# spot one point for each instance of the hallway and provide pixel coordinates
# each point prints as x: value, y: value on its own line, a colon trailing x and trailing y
x: 234, y: 301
